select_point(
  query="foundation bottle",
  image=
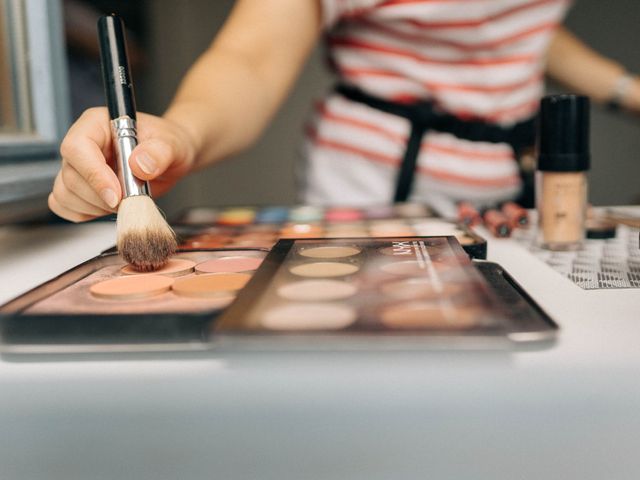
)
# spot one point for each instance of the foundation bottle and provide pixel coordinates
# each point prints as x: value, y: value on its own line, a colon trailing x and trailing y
x: 561, y: 179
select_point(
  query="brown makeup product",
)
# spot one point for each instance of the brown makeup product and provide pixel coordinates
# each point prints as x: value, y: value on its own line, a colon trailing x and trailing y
x: 426, y: 315
x: 131, y: 288
x: 561, y: 179
x: 210, y: 285
x: 175, y: 267
x: 600, y: 228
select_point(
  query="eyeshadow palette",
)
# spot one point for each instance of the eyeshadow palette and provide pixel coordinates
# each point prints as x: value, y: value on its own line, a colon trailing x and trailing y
x: 104, y: 300
x: 262, y: 227
x: 408, y: 288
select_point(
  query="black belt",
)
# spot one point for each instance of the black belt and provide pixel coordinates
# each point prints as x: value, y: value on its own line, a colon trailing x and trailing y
x: 423, y: 117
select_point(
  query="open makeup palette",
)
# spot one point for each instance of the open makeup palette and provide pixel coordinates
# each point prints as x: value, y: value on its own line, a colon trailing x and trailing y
x: 354, y: 291
x: 261, y: 227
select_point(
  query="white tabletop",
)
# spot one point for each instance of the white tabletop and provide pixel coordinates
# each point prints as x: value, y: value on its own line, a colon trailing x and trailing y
x: 569, y: 411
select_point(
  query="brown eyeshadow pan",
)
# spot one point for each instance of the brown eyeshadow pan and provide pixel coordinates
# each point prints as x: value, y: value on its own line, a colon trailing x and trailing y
x: 210, y: 285
x: 427, y: 315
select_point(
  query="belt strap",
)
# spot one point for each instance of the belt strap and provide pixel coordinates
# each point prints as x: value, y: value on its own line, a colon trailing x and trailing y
x: 423, y: 117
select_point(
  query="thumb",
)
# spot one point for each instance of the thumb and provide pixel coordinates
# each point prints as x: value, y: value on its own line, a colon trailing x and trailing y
x: 151, y: 158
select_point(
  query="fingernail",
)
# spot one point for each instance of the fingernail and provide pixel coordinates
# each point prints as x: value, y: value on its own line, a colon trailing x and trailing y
x: 146, y: 163
x: 109, y: 197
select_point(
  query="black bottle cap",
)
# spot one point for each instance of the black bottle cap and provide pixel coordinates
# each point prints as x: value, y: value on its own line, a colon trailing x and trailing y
x: 563, y: 133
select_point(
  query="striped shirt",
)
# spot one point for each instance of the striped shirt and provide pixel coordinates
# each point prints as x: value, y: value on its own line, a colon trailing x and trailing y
x: 476, y: 59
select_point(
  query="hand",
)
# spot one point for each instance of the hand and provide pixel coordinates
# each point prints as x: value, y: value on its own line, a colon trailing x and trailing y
x: 87, y: 187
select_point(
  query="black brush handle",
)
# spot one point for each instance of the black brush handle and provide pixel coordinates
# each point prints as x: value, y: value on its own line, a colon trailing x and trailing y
x: 116, y: 72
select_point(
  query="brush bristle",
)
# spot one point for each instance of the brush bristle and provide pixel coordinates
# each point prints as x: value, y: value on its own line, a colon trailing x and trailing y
x: 145, y: 240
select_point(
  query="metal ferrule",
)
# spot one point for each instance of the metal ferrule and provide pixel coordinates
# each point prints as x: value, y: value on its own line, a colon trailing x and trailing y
x: 124, y: 135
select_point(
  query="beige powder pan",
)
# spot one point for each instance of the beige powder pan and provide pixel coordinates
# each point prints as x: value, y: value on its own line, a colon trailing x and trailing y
x: 337, y: 251
x: 420, y: 287
x: 309, y: 316
x: 317, y: 290
x: 324, y: 269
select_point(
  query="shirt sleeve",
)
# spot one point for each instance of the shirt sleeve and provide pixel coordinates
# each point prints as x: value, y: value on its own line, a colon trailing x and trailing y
x: 334, y: 10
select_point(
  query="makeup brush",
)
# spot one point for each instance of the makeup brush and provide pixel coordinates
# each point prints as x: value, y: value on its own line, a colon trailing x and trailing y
x: 144, y: 239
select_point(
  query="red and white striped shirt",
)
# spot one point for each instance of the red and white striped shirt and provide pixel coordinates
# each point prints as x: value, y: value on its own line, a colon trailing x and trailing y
x: 480, y: 59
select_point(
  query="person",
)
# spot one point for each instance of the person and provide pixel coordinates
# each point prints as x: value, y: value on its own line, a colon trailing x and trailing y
x: 435, y: 101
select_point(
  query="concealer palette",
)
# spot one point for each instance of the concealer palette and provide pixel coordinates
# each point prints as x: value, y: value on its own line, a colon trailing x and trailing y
x: 262, y: 227
x: 107, y: 301
x: 405, y: 287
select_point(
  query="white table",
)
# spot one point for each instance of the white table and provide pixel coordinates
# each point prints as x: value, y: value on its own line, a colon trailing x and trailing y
x: 568, y: 412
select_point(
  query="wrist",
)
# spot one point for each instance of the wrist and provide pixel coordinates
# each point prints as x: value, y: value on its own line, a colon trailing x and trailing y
x: 185, y: 118
x: 625, y: 93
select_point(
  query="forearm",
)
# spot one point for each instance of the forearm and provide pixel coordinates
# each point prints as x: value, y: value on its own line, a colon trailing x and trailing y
x: 585, y: 71
x: 223, y: 109
x: 234, y: 89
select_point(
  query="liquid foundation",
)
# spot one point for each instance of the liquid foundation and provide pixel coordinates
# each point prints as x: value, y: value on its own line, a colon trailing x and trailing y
x: 561, y: 179
x: 561, y: 209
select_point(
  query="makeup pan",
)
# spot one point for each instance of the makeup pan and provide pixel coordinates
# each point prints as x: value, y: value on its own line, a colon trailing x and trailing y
x: 317, y: 290
x: 324, y: 269
x: 229, y: 264
x: 309, y: 316
x: 420, y: 288
x: 175, y: 267
x: 428, y: 315
x: 211, y: 285
x: 132, y: 288
x: 330, y: 252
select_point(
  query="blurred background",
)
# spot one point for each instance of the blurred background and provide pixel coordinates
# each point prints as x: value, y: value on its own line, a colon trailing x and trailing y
x: 167, y: 36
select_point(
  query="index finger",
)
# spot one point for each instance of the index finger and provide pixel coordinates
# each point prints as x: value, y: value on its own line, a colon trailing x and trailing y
x: 86, y: 148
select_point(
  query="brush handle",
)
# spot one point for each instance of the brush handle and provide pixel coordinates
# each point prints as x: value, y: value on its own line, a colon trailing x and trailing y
x: 116, y: 73
x: 118, y: 88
